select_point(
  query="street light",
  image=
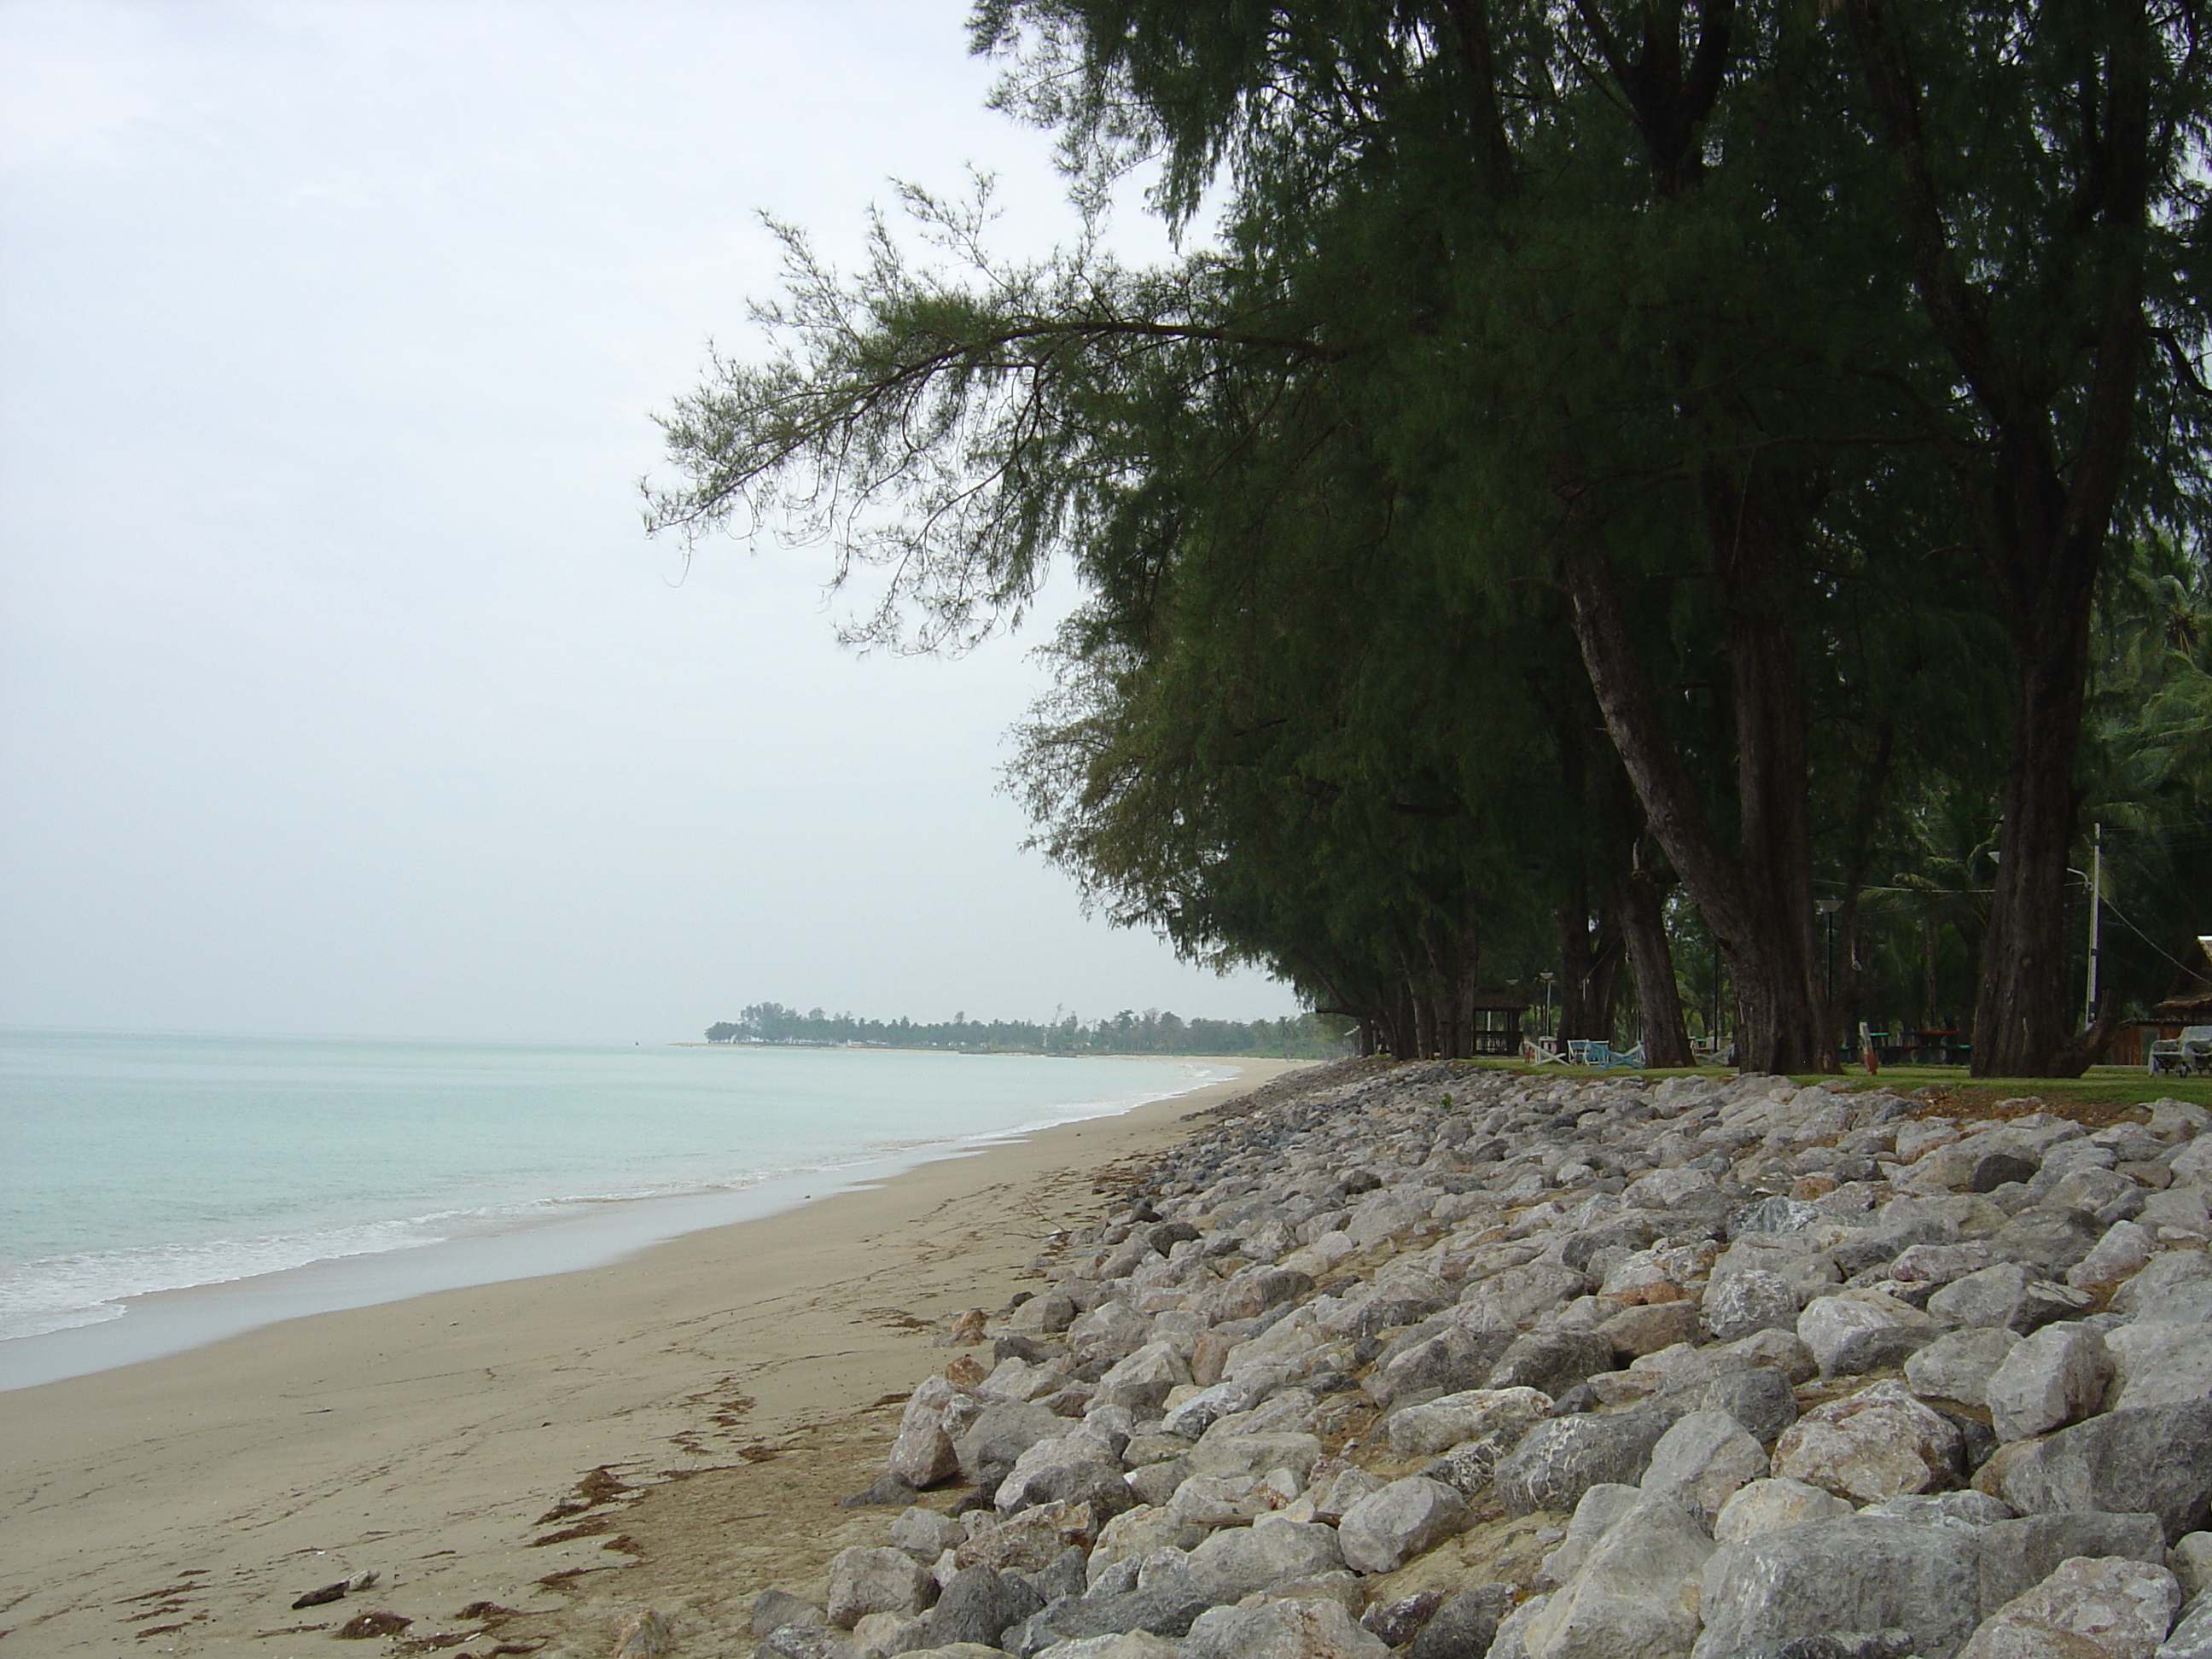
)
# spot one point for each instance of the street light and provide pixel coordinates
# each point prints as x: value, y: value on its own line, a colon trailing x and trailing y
x: 1548, y: 976
x: 1827, y: 908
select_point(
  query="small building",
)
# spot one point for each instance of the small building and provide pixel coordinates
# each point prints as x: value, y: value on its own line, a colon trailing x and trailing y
x: 1494, y: 1023
x: 2187, y: 1001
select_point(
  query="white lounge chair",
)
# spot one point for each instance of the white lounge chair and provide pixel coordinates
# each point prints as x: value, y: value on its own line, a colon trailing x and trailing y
x: 2189, y: 1052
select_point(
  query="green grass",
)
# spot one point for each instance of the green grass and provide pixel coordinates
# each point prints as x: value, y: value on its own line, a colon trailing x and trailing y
x: 2106, y: 1086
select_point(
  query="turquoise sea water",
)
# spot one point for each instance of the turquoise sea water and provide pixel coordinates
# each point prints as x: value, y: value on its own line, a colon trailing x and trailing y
x: 131, y: 1166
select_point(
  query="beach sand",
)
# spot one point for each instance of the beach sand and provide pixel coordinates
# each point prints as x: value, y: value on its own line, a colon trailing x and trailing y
x: 739, y: 1381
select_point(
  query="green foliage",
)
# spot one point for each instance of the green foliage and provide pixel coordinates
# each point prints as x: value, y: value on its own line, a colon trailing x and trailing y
x: 1302, y: 1036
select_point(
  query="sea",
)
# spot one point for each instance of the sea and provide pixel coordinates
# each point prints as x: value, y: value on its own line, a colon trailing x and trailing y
x: 158, y: 1192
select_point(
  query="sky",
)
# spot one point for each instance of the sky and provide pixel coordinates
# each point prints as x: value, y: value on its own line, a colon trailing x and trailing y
x: 341, y: 689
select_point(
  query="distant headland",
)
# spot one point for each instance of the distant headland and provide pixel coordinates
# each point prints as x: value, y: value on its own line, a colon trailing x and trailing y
x: 1300, y: 1036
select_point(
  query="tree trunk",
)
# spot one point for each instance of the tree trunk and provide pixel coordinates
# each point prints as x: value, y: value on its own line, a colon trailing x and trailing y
x: 1651, y: 964
x: 1747, y: 902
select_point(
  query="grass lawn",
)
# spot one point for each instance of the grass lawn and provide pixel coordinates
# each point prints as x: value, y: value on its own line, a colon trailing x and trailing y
x: 2103, y: 1094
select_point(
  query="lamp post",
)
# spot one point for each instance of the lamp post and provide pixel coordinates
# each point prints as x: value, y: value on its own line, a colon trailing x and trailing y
x: 1548, y: 976
x: 1827, y: 908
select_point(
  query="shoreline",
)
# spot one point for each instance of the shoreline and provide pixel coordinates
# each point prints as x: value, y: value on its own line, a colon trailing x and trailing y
x: 576, y: 1234
x: 421, y: 1437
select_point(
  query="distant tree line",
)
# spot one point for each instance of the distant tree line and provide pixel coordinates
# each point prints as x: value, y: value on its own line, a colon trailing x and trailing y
x: 1302, y: 1037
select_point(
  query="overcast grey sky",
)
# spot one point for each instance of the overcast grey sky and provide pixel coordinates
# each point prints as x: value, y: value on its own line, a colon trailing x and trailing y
x: 342, y: 690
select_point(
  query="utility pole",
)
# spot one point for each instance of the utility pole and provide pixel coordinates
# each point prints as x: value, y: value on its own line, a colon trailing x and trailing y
x: 2096, y: 896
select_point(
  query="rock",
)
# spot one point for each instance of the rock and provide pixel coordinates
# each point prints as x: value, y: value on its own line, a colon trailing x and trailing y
x: 1207, y: 1502
x: 888, y: 1487
x: 2160, y: 1362
x: 1760, y: 1398
x: 1958, y: 1365
x: 1141, y: 1381
x: 925, y: 1534
x: 1033, y: 1472
x: 1831, y: 1325
x: 2155, y: 1458
x: 1562, y: 1458
x: 2168, y: 1273
x: 1970, y: 1510
x: 1420, y: 1431
x: 2192, y: 1637
x: 1990, y: 1297
x: 1702, y: 1461
x: 1254, y: 1453
x: 1774, y: 1215
x: 803, y: 1642
x: 2107, y: 1609
x: 1138, y: 1531
x: 2047, y: 1239
x: 2122, y: 1253
x: 1463, y: 1627
x: 1383, y: 1531
x: 2018, y: 1555
x: 1510, y: 1298
x: 881, y: 1635
x: 1635, y: 1332
x: 1344, y: 1490
x: 1001, y: 1432
x: 1769, y: 1505
x: 922, y: 1455
x: 1874, y: 1445
x: 1993, y: 1170
x: 1233, y: 1564
x: 1743, y: 1303
x: 1851, y: 1573
x: 1127, y: 1644
x: 1550, y: 1362
x: 2191, y: 1561
x: 979, y: 1606
x: 1281, y: 1630
x: 1163, y: 1606
x: 864, y: 1580
x: 2053, y: 1378
x: 1599, y: 1508
x: 1451, y: 1362
x: 1029, y: 1541
x: 1635, y: 1596
x: 1399, y: 1620
x: 1847, y: 1644
x: 778, y: 1609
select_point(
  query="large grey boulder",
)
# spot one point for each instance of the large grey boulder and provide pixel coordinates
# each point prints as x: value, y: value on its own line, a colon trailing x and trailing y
x: 1743, y: 1303
x: 1853, y: 1573
x: 1421, y: 1431
x: 922, y: 1455
x: 2018, y: 1555
x: 2048, y: 1238
x: 1701, y: 1461
x: 1451, y: 1362
x: 2192, y: 1637
x: 2160, y: 1362
x: 2155, y: 1458
x: 1550, y: 1362
x: 1164, y: 1605
x: 925, y: 1534
x: 1001, y: 1432
x: 1463, y: 1627
x: 1759, y: 1398
x: 1253, y: 1454
x: 1847, y: 1644
x: 1562, y: 1458
x: 1872, y: 1445
x: 979, y: 1605
x: 1032, y: 1479
x: 1958, y: 1365
x: 1233, y: 1563
x: 1383, y: 1531
x: 1129, y: 1645
x: 2053, y: 1378
x: 1142, y: 1379
x: 2009, y: 1295
x: 864, y: 1580
x: 2112, y: 1608
x: 1281, y: 1630
x: 1770, y: 1505
x: 1845, y: 1331
x: 1634, y: 1596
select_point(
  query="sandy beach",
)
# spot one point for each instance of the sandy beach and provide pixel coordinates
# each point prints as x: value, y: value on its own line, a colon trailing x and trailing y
x: 732, y: 1378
